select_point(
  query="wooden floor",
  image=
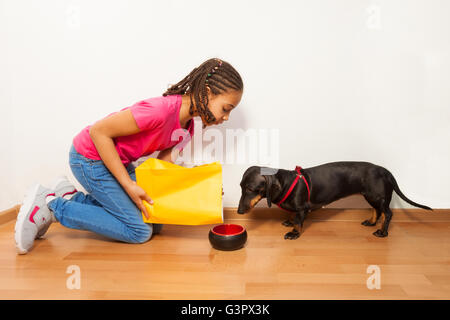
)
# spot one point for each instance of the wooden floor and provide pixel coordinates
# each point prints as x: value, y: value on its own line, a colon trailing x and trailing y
x: 329, y: 261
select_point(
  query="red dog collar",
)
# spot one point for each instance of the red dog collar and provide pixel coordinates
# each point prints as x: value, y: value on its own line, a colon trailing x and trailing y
x: 299, y: 175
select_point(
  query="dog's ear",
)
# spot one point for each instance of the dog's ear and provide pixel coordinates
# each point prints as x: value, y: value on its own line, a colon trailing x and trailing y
x: 269, y: 183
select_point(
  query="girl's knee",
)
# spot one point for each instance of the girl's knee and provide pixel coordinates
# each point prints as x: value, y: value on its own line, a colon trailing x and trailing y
x: 142, y: 234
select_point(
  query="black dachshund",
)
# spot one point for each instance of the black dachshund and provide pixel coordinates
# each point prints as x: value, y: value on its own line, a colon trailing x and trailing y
x: 319, y: 186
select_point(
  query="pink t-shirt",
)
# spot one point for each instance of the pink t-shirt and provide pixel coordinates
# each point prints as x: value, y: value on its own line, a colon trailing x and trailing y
x: 157, y: 118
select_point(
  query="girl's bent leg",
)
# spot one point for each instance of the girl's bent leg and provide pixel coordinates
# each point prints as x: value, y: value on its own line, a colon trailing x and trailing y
x: 107, y: 209
x: 76, y: 215
x: 80, y: 197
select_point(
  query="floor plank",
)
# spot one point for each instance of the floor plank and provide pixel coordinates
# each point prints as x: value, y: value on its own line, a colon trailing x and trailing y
x: 328, y: 261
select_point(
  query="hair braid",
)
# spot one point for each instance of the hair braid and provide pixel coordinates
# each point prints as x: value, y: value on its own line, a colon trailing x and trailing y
x: 214, y: 73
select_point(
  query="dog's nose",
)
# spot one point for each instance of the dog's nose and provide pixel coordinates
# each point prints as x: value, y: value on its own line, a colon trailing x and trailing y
x: 240, y: 210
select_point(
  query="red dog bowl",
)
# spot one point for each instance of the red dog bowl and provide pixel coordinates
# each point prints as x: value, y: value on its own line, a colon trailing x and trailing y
x: 228, y: 237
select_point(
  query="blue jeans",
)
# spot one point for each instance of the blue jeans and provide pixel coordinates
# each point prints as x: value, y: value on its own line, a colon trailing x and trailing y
x: 106, y: 209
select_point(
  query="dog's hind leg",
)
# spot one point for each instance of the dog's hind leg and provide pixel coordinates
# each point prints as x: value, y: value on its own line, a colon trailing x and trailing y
x: 373, y: 220
x: 387, y: 216
x: 375, y: 214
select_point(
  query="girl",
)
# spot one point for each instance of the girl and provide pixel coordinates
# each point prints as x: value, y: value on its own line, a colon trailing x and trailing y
x: 101, y: 155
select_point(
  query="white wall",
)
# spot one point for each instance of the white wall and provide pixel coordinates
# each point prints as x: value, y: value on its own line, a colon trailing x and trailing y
x: 340, y: 80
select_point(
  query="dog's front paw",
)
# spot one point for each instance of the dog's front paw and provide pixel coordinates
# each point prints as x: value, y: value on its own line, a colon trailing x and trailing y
x: 380, y: 233
x: 367, y: 223
x: 287, y: 223
x: 292, y: 235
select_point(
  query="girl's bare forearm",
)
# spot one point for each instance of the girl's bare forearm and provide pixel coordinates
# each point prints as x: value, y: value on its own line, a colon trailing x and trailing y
x: 110, y: 157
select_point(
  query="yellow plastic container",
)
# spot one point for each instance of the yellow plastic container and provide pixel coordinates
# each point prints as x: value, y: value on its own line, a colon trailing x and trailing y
x: 185, y: 196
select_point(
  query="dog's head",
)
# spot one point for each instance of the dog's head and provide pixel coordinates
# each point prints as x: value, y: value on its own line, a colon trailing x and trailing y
x: 257, y: 183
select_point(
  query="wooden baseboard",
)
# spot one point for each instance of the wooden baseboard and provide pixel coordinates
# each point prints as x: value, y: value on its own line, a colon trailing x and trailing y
x: 326, y: 214
x: 9, y: 214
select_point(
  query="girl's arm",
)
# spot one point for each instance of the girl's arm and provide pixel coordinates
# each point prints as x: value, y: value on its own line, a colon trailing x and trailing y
x: 102, y: 133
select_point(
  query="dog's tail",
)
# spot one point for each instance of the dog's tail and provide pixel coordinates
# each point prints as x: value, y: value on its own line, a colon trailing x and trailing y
x: 398, y: 191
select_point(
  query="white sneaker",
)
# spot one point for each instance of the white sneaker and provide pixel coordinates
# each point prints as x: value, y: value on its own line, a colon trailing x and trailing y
x: 34, y: 215
x: 61, y: 188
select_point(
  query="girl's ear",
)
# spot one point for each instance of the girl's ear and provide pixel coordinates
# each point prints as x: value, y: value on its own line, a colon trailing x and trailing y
x: 208, y: 92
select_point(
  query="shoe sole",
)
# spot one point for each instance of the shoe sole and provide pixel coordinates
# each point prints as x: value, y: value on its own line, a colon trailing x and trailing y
x: 30, y: 195
x: 58, y: 180
x: 53, y: 188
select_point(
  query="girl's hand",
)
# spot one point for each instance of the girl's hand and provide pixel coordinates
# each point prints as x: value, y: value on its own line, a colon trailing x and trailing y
x: 137, y: 194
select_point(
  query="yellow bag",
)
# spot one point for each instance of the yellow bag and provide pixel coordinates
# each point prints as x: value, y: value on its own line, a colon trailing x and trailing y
x: 187, y: 196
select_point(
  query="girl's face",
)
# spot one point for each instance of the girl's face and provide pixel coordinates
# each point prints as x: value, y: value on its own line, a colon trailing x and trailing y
x: 222, y: 104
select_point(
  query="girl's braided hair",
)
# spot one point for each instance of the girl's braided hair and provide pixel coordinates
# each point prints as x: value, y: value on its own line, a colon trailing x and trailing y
x: 214, y: 73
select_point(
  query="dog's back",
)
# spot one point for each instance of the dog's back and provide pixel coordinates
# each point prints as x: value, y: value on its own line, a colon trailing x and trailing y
x: 336, y: 180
